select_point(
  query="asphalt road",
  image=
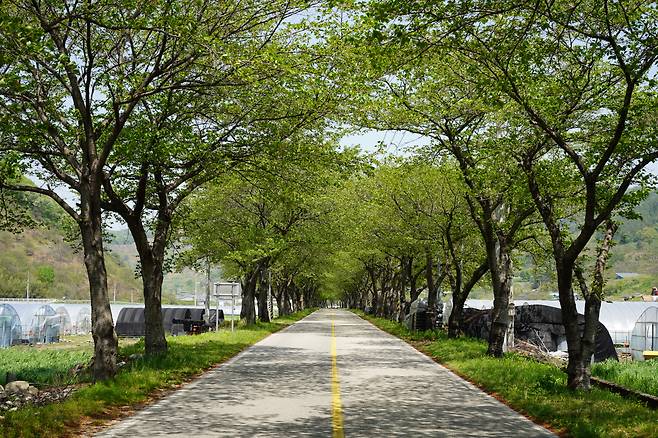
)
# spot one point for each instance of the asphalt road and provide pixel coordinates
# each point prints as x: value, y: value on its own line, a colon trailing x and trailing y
x: 331, y: 374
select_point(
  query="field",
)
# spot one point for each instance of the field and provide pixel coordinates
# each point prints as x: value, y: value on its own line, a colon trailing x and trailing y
x: 535, y: 389
x: 640, y: 376
x: 137, y: 383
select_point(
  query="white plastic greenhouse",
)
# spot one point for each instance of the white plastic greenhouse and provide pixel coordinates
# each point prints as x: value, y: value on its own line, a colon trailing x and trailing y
x: 39, y: 322
x: 79, y: 318
x: 645, y: 333
x: 46, y: 321
x: 65, y: 323
x: 10, y: 326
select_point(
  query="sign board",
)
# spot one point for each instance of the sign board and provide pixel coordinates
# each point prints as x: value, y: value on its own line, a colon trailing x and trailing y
x: 226, y: 292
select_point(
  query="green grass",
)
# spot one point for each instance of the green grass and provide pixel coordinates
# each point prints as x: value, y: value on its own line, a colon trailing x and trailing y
x: 41, y: 366
x: 187, y: 356
x: 640, y: 376
x: 535, y: 389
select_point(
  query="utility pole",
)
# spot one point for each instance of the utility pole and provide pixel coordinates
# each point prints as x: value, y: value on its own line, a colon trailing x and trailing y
x: 207, y: 303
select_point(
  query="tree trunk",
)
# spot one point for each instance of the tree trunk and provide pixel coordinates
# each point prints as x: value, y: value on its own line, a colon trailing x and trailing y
x: 278, y: 297
x: 105, y: 338
x: 579, y: 369
x: 248, y: 312
x: 501, y: 277
x: 576, y: 369
x: 283, y: 300
x: 151, y: 259
x: 263, y: 307
x: 456, y: 315
x: 154, y: 334
x: 402, y: 289
x: 413, y: 282
x: 431, y: 288
x: 375, y: 295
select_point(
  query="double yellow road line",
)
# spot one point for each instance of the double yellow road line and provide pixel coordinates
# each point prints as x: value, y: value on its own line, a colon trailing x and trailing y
x: 336, y: 409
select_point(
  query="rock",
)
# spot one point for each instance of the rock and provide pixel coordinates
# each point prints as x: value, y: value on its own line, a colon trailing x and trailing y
x: 32, y: 390
x: 18, y: 386
x: 135, y: 356
x: 121, y: 364
x: 2, y: 389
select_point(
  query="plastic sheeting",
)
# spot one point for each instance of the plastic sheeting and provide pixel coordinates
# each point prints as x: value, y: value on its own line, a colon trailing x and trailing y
x: 79, y: 316
x: 645, y: 333
x: 39, y: 322
x: 540, y: 325
x: 618, y: 317
x: 65, y: 323
x: 130, y: 321
x: 10, y: 326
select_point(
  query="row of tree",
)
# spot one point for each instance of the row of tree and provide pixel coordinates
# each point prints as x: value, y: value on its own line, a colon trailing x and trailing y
x: 125, y: 108
x: 214, y: 126
x: 548, y: 111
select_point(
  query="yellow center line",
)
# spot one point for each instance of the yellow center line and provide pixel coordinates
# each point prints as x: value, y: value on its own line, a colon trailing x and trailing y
x: 336, y: 410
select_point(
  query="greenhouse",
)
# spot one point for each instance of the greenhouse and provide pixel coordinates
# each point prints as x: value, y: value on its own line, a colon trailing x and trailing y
x: 39, y: 322
x: 83, y: 321
x: 645, y: 334
x: 618, y: 317
x: 10, y: 326
x: 65, y: 323
x: 79, y: 318
x: 130, y: 321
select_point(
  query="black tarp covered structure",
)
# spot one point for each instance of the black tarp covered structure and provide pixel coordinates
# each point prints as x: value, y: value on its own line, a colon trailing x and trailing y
x: 130, y: 321
x: 540, y: 325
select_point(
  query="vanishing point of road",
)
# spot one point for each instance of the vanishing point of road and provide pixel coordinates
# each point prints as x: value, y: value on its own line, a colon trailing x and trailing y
x: 330, y: 374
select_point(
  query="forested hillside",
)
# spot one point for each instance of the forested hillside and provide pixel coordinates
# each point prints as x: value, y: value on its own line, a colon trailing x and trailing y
x: 635, y: 253
x: 42, y: 251
x: 56, y: 268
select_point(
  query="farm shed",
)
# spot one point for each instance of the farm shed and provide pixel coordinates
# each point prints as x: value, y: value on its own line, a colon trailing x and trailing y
x: 618, y: 317
x: 130, y: 321
x: 540, y: 325
x: 645, y: 333
x: 10, y: 326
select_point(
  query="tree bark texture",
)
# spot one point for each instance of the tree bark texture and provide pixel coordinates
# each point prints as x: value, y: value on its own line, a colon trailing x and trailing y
x: 248, y: 312
x: 500, y: 265
x: 91, y: 229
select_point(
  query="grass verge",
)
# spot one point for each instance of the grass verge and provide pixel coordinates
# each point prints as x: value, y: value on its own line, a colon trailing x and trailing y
x: 640, y: 376
x: 136, y: 383
x: 535, y: 389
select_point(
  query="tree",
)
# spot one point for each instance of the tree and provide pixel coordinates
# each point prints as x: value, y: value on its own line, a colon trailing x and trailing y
x: 586, y: 96
x: 577, y: 84
x: 428, y: 96
x: 182, y: 138
x: 72, y: 76
x: 256, y: 216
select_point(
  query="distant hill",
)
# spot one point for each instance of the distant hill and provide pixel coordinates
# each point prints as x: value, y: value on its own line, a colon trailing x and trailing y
x: 55, y: 268
x: 175, y: 283
x: 635, y: 251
